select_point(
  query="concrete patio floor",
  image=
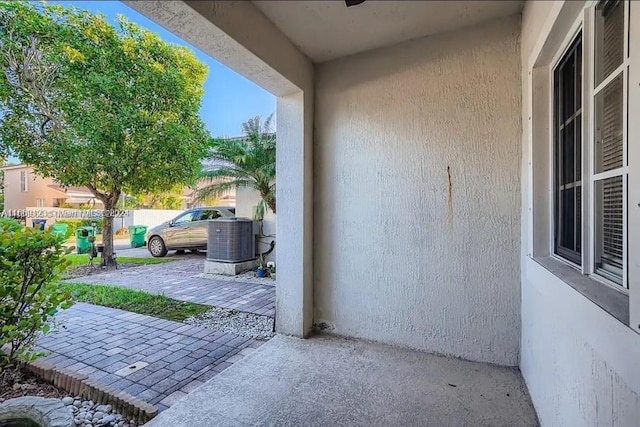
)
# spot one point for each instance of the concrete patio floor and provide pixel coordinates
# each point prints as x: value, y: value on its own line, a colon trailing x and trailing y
x: 328, y: 381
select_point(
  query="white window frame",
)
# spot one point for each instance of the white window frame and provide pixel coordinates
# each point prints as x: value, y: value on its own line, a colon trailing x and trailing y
x: 585, y: 24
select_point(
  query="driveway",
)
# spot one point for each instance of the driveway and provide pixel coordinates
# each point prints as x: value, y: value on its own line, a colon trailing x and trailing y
x: 170, y: 358
x: 181, y: 280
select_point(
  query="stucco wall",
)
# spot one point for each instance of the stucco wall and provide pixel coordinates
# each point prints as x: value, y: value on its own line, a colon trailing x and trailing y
x: 37, y: 188
x: 580, y: 364
x: 246, y: 201
x: 417, y: 160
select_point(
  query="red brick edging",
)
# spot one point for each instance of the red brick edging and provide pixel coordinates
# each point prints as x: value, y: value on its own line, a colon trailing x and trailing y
x: 80, y: 385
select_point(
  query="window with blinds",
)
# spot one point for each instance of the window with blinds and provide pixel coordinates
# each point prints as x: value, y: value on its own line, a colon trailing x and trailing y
x: 609, y: 168
x: 568, y: 153
x: 590, y: 145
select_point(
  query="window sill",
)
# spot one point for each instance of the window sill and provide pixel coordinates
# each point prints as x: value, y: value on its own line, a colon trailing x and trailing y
x: 613, y: 302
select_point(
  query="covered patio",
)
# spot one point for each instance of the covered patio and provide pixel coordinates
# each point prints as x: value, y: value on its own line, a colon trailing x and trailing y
x: 328, y: 381
x: 420, y: 211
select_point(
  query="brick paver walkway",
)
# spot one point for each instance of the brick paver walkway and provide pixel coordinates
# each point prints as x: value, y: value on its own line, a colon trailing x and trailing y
x: 103, y: 342
x: 178, y: 280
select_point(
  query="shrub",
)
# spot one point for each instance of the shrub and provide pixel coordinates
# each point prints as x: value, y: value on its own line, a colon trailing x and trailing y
x: 10, y: 224
x: 30, y: 263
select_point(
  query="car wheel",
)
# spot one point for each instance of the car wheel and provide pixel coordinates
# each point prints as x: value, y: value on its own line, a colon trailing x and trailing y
x: 156, y: 247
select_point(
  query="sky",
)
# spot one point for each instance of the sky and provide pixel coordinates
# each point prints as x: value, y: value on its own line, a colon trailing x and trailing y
x: 229, y: 99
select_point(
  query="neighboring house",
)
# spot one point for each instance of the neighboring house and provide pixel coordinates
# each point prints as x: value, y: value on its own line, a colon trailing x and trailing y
x: 25, y: 189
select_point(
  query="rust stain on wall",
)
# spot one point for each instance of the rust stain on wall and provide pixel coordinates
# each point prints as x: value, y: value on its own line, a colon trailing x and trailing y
x: 450, y: 200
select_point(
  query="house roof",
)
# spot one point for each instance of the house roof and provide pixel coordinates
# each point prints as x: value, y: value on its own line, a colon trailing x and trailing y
x: 12, y: 167
x: 75, y: 191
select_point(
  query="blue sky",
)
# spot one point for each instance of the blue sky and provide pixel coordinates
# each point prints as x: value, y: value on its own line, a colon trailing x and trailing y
x: 229, y: 98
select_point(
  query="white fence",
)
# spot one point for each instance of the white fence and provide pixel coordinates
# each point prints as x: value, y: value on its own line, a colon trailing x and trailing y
x: 148, y: 217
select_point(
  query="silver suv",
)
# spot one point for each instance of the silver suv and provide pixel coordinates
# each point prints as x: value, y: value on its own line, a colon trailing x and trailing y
x: 186, y: 231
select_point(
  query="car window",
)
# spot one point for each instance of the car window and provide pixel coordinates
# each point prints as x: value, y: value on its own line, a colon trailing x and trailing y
x: 209, y: 214
x: 185, y: 217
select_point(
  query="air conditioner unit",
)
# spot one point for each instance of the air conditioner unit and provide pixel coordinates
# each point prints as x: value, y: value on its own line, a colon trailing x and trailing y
x: 231, y: 240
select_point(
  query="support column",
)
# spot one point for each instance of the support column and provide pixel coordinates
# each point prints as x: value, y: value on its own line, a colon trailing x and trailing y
x: 294, y: 187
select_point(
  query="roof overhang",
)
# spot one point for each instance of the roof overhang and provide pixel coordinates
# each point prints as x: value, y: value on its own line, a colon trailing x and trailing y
x: 326, y: 30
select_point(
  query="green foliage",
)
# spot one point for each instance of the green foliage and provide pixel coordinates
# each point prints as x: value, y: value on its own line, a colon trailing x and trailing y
x: 245, y: 162
x: 10, y: 224
x: 112, y: 109
x: 30, y: 263
x: 135, y: 301
x: 166, y: 200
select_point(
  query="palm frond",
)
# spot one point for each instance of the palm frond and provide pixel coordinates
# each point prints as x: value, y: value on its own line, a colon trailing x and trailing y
x: 250, y: 160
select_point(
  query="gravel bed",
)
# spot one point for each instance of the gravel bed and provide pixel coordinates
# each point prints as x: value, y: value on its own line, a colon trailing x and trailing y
x: 86, y: 413
x: 246, y: 277
x: 236, y: 322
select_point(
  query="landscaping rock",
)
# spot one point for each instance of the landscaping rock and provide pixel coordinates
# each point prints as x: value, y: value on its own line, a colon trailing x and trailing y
x: 90, y: 414
x: 51, y: 411
x: 236, y: 322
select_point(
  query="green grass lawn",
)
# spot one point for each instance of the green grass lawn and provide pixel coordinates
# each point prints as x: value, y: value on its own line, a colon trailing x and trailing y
x: 83, y: 259
x: 140, y: 302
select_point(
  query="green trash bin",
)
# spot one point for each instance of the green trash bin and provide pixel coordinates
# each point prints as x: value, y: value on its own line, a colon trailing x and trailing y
x: 59, y: 229
x: 82, y: 239
x: 136, y: 235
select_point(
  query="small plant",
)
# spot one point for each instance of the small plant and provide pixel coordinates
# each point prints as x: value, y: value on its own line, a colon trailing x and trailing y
x: 30, y: 263
x: 262, y: 270
x: 10, y: 224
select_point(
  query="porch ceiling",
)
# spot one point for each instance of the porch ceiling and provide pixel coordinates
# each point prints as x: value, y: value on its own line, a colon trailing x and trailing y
x: 326, y: 30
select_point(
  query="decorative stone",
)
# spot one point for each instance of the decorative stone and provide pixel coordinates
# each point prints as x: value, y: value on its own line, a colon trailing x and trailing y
x: 98, y: 415
x: 108, y: 419
x: 46, y: 412
x: 104, y: 408
x: 77, y: 403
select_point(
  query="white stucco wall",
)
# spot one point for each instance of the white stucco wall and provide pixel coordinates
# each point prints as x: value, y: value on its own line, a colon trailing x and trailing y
x: 401, y: 256
x: 580, y: 364
x: 246, y: 201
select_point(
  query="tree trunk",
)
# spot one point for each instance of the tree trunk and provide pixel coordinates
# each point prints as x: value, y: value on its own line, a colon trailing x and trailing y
x: 107, y: 233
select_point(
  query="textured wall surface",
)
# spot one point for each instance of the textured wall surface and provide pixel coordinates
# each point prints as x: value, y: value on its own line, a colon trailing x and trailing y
x: 417, y: 168
x: 246, y: 201
x: 580, y: 364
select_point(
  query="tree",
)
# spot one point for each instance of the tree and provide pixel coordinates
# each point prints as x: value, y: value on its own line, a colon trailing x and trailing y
x: 112, y: 109
x: 249, y: 161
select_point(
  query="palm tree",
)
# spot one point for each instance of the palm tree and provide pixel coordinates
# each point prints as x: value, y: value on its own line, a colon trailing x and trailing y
x: 248, y: 161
